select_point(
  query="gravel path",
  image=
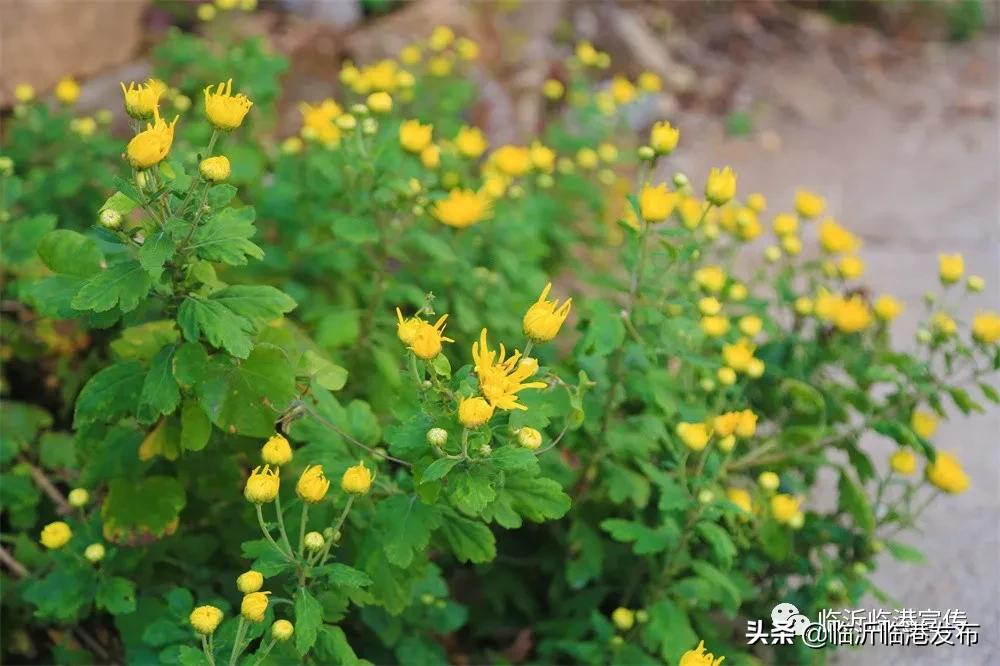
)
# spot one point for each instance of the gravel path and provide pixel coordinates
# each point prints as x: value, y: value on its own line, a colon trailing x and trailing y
x: 912, y: 163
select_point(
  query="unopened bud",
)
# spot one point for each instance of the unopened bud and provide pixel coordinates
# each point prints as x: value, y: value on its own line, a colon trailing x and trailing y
x: 706, y: 496
x: 78, y: 497
x: 314, y: 541
x: 437, y: 436
x: 485, y: 450
x: 369, y: 126
x: 975, y: 284
x: 924, y: 336
x: 6, y: 166
x: 707, y: 385
x: 646, y: 153
x: 772, y: 254
x: 94, y: 553
x: 359, y: 109
x: 681, y: 180
x: 346, y: 122
x: 727, y: 443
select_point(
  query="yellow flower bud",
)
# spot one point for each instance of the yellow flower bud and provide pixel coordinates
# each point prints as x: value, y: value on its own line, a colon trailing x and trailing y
x: 109, y: 218
x: 205, y: 619
x: 808, y: 204
x: 663, y: 137
x: 250, y: 581
x: 553, y: 89
x: 975, y: 284
x: 784, y: 507
x: 903, y: 462
x: 474, y: 412
x: 276, y: 450
x: 623, y: 618
x: 694, y: 435
x: 709, y: 306
x: 726, y: 444
x: 24, y: 92
x: 357, y: 480
x: 437, y: 436
x: 254, y: 605
x: 67, y: 90
x: 529, y: 438
x: 262, y: 486
x: 414, y: 137
x: 746, y: 425
x: 56, y: 535
x: 803, y: 306
x: 769, y: 481
x: 656, y: 203
x: 215, y: 169
x: 755, y: 368
x: 282, y: 630
x: 740, y: 498
x: 314, y: 541
x: 312, y: 485
x: 224, y: 109
x: 726, y: 376
x: 946, y: 474
x: 750, y: 325
x: 78, y: 497
x: 544, y: 318
x: 94, y: 553
x: 142, y: 99
x: 721, y: 186
x: 380, y: 102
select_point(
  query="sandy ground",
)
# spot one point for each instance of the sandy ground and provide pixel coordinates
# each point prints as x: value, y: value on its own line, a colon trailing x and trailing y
x: 908, y: 167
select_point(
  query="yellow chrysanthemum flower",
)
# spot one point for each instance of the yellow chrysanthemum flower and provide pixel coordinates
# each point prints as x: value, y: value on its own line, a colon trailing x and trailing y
x: 785, y: 224
x: 441, y: 38
x: 312, y: 485
x: 544, y: 318
x: 224, y: 109
x: 430, y: 157
x: 55, y: 535
x: 471, y: 142
x: 738, y: 355
x: 67, y: 90
x: 142, y: 98
x: 205, y: 619
x: 379, y: 102
x: 249, y: 581
x: 428, y: 340
x: 851, y: 267
x: 695, y: 436
x: 151, y: 146
x: 656, y: 203
x: 254, y: 605
x: 946, y: 474
x: 720, y: 186
x: 808, y: 204
x: 740, y: 498
x: 835, y: 239
x: 924, y: 423
x: 943, y: 324
x: 511, y: 161
x: 543, y: 158
x: 714, y: 326
x: 553, y: 89
x: 699, y: 657
x: 622, y: 90
x: 986, y: 327
x: 756, y: 202
x: 407, y: 329
x: 462, y: 208
x: 215, y: 169
x: 650, y: 82
x: 474, y: 412
x: 318, y: 122
x: 414, y: 137
x: 903, y: 462
x: 276, y: 450
x: 24, y: 93
x: 887, y: 308
x: 502, y: 378
x: 263, y: 485
x: 852, y: 315
x: 950, y: 267
x: 357, y: 480
x: 784, y: 508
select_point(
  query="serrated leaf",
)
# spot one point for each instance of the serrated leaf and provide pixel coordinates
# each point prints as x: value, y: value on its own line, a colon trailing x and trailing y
x: 536, y: 498
x: 136, y: 512
x: 406, y: 525
x: 70, y: 253
x: 471, y: 490
x: 160, y: 393
x: 116, y: 595
x: 220, y: 326
x: 438, y: 469
x: 720, y: 542
x: 258, y: 303
x: 468, y: 540
x: 226, y: 237
x: 221, y: 194
x: 155, y: 252
x: 332, y: 647
x: 120, y: 203
x: 142, y: 342
x: 308, y: 619
x: 645, y: 540
x: 110, y: 395
x: 854, y: 501
x: 342, y: 575
x: 123, y: 284
x: 515, y: 459
x: 325, y: 373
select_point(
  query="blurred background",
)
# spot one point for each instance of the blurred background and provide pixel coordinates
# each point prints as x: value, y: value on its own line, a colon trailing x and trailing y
x: 889, y: 109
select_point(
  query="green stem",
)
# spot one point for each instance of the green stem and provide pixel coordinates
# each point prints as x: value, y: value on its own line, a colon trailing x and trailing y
x: 208, y: 652
x: 238, y: 641
x: 281, y: 525
x: 267, y: 534
x: 527, y: 349
x: 267, y: 650
x: 336, y: 530
x: 302, y: 529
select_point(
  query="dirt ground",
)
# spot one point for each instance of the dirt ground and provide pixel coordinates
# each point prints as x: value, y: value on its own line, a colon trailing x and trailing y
x: 912, y: 164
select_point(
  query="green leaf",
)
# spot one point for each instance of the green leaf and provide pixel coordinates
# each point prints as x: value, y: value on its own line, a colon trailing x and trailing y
x: 854, y: 501
x: 57, y: 451
x: 471, y: 490
x: 408, y: 440
x: 155, y: 252
x: 19, y: 238
x: 190, y: 364
x: 605, y: 331
x: 438, y: 469
x: 195, y: 427
x: 469, y: 540
x: 668, y: 631
x: 719, y: 540
x: 123, y: 284
x: 245, y: 397
x: 116, y: 595
x: 142, y: 342
x: 904, y: 553
x: 645, y: 540
x: 160, y: 393
x: 338, y: 328
x: 120, y: 203
x: 226, y: 237
x: 325, y: 373
x: 990, y: 393
x: 719, y: 580
x: 70, y: 253
x: 515, y: 459
x: 342, y: 575
x: 406, y: 525
x: 110, y: 395
x: 308, y: 619
x: 536, y: 498
x: 332, y: 647
x: 221, y: 194
x: 137, y: 512
x: 258, y: 303
x: 220, y: 326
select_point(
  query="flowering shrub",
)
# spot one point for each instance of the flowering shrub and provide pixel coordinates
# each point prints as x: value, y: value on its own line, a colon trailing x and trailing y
x: 403, y: 396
